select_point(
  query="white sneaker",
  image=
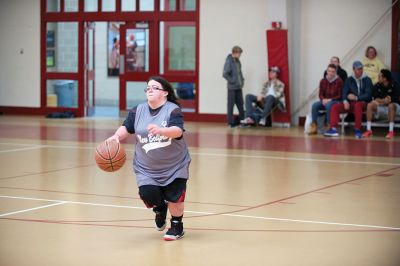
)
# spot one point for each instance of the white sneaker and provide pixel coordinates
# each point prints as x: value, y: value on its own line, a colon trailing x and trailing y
x: 262, y: 121
x: 247, y: 120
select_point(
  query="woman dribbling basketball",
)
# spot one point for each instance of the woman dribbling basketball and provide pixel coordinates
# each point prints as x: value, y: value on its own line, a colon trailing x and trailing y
x: 161, y: 161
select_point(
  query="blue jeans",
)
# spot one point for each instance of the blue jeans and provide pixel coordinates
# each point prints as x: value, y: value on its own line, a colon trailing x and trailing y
x: 251, y: 110
x: 319, y: 106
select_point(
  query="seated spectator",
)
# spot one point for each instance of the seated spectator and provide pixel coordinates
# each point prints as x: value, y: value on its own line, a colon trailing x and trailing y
x: 339, y: 70
x: 356, y: 95
x: 271, y: 96
x: 384, y: 94
x: 330, y: 92
x: 372, y: 64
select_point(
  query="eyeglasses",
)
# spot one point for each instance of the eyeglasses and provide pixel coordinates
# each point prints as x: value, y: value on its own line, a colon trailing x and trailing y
x: 153, y: 88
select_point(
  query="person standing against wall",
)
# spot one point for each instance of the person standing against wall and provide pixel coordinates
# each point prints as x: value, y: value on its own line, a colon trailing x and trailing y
x: 233, y: 75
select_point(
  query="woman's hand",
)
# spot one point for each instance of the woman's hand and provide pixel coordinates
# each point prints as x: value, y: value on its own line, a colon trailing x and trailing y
x: 114, y: 137
x: 154, y: 129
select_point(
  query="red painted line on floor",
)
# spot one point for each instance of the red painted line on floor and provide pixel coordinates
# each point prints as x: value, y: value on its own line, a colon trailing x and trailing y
x: 295, y: 196
x: 208, y: 229
x: 385, y: 175
x: 47, y: 172
x: 285, y: 202
x: 337, y: 146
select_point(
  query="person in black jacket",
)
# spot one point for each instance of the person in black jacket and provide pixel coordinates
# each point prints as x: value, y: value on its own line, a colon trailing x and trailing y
x: 339, y: 70
x: 233, y: 75
x: 385, y: 95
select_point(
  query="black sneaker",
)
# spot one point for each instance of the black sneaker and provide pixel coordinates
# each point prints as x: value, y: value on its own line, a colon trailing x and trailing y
x: 160, y: 218
x: 175, y: 232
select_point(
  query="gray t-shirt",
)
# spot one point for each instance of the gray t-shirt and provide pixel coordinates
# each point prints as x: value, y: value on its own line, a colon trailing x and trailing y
x: 158, y: 160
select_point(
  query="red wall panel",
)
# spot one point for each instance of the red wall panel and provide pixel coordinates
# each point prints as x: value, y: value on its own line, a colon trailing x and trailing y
x: 277, y: 49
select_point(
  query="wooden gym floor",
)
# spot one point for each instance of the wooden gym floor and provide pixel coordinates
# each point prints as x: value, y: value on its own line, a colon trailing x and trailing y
x: 266, y: 196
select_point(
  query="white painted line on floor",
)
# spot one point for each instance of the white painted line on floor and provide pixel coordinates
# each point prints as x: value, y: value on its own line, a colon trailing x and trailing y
x: 202, y: 213
x: 32, y: 209
x: 311, y: 222
x: 234, y: 155
x: 23, y: 149
x: 18, y: 144
x: 292, y: 158
x: 76, y: 202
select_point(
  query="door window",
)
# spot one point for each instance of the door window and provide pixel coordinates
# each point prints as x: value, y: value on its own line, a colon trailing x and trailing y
x: 62, y: 47
x: 137, y: 50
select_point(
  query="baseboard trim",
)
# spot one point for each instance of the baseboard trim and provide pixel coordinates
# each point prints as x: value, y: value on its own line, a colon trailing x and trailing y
x: 302, y: 121
x: 14, y: 110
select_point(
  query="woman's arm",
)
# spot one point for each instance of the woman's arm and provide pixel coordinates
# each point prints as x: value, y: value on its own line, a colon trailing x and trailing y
x: 121, y: 134
x: 170, y: 132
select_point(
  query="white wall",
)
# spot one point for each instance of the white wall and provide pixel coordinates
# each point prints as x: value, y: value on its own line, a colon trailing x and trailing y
x: 277, y: 11
x: 318, y: 29
x: 223, y: 24
x: 20, y: 71
x: 330, y: 28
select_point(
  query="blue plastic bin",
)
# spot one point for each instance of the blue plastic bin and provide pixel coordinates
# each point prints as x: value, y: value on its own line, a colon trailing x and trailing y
x: 65, y: 93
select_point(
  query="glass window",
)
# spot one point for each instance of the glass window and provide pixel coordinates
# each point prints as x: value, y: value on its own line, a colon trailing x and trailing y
x: 90, y: 6
x: 53, y: 6
x: 168, y: 5
x: 128, y: 5
x: 135, y: 93
x: 62, y: 47
x: 185, y: 91
x: 62, y: 93
x: 137, y: 50
x: 108, y: 5
x: 113, y: 48
x: 177, y: 46
x: 186, y: 94
x: 187, y: 5
x: 146, y: 5
x: 71, y: 5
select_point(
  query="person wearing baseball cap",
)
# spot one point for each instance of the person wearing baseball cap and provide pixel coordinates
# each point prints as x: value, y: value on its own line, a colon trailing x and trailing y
x: 357, y: 91
x: 271, y: 95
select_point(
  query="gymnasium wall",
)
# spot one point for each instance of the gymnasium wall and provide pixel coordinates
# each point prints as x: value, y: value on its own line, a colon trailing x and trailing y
x: 19, y: 53
x: 317, y: 30
x: 327, y: 28
x: 223, y: 24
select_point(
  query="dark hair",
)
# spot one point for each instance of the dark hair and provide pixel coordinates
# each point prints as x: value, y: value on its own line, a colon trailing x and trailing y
x: 368, y: 48
x: 332, y: 66
x: 171, y: 97
x: 336, y: 57
x: 387, y: 74
x: 237, y: 49
x: 115, y: 39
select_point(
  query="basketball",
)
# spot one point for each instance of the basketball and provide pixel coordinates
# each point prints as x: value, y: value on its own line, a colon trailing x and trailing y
x: 110, y: 156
